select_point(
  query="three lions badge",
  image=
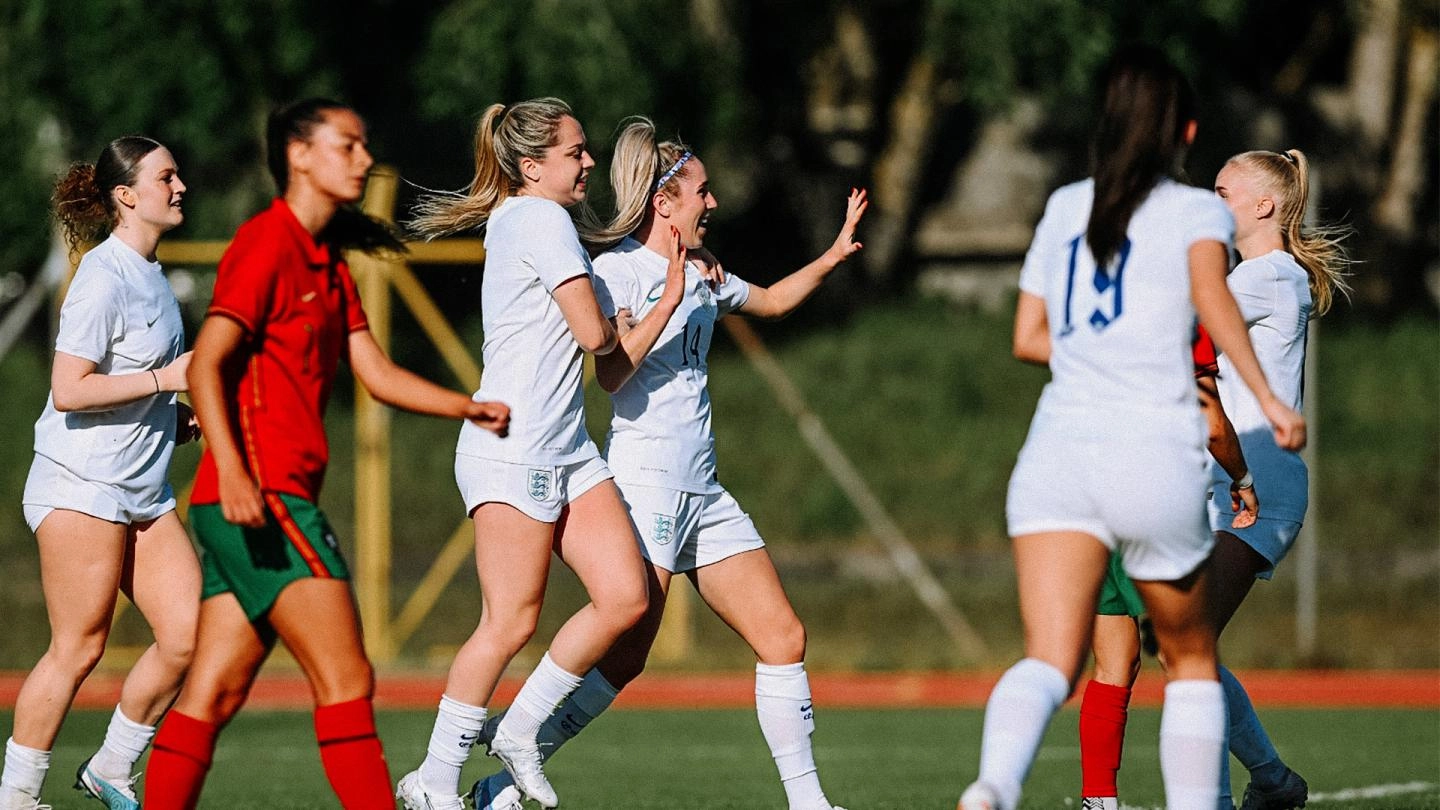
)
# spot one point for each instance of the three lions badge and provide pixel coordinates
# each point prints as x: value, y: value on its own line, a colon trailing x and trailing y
x: 662, y: 531
x: 542, y: 483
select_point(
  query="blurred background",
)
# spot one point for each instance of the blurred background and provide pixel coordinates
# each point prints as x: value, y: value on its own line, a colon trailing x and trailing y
x: 959, y: 115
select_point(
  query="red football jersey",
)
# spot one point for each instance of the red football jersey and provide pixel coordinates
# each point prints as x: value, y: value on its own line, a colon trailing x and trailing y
x: 298, y: 304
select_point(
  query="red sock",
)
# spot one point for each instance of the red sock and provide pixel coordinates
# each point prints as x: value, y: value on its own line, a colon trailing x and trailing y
x: 183, y: 749
x: 351, y: 753
x: 1102, y: 735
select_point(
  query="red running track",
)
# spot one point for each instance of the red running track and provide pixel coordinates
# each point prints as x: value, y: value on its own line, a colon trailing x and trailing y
x: 1401, y: 689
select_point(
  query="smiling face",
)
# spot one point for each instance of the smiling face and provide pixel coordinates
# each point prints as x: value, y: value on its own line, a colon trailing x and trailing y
x: 153, y: 200
x: 561, y: 175
x: 688, y: 209
x: 334, y: 159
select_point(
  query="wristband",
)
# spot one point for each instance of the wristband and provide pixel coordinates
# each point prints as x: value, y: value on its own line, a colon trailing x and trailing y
x: 1245, y: 481
x: 156, y: 378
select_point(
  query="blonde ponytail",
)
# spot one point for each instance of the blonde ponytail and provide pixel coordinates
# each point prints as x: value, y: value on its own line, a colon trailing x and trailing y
x: 636, y: 168
x: 1319, y: 250
x: 447, y: 214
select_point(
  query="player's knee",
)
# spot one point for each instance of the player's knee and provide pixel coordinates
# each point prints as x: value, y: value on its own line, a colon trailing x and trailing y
x: 177, y: 650
x: 509, y: 633
x: 78, y: 655
x: 351, y: 681
x: 783, y: 644
x: 622, y: 610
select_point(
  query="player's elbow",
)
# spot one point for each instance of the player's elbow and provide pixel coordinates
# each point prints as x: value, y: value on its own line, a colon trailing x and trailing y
x: 599, y: 342
x: 65, y: 400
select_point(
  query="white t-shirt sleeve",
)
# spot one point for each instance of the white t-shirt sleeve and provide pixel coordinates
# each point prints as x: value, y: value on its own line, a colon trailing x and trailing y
x: 616, y: 287
x: 555, y: 251
x: 732, y: 294
x: 1254, y: 286
x: 92, y: 318
x: 1208, y: 220
x: 1037, y: 257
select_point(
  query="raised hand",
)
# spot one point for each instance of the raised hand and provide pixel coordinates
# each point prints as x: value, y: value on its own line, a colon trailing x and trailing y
x: 675, y: 271
x: 845, y: 245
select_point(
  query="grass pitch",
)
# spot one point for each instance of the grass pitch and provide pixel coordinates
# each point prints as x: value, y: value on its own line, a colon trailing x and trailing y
x: 869, y: 760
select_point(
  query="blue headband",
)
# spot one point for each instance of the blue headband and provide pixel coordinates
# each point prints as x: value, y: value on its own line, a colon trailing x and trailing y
x: 665, y: 178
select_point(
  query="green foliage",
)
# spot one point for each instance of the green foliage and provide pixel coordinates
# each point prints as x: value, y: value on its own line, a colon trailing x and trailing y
x: 609, y: 60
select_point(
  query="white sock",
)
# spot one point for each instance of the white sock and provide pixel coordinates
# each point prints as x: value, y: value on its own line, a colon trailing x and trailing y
x: 787, y: 719
x: 25, y: 768
x: 1192, y: 740
x: 125, y: 741
x: 587, y: 702
x: 1019, y: 709
x: 457, y: 727
x: 543, y: 691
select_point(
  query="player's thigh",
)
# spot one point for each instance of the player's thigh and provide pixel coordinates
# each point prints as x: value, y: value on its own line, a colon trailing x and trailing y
x: 162, y: 578
x: 229, y: 650
x: 1179, y: 612
x: 317, y: 620
x: 81, y: 560
x: 597, y: 540
x: 512, y: 559
x: 1058, y: 574
x: 1234, y: 566
x: 744, y: 590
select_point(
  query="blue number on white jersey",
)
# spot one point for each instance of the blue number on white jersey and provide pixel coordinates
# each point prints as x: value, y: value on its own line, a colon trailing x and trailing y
x: 1105, y: 284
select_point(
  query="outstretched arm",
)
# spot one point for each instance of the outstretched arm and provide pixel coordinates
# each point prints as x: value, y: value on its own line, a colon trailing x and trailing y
x: 404, y: 389
x: 614, y: 369
x: 782, y: 297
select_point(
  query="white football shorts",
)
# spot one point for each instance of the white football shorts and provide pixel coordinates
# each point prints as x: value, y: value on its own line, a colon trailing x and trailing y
x: 51, y: 486
x: 681, y: 531
x: 540, y: 491
x: 1143, y: 496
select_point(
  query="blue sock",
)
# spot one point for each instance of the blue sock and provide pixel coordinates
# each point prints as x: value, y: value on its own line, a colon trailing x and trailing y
x: 1248, y: 740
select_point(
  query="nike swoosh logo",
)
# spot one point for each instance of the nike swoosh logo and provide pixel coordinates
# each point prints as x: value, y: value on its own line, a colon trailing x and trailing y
x: 650, y: 299
x: 308, y: 297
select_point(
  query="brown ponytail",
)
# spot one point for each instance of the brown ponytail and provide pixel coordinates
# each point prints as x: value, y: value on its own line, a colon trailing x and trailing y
x: 82, y: 201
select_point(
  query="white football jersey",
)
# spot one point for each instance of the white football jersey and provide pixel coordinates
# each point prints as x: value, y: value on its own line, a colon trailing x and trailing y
x: 1120, y: 358
x: 1273, y: 292
x: 532, y: 362
x: 120, y: 314
x: 660, y: 434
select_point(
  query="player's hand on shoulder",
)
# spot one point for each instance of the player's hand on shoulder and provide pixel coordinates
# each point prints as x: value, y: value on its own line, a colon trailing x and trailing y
x: 624, y: 321
x: 710, y: 267
x: 845, y: 245
x: 492, y: 416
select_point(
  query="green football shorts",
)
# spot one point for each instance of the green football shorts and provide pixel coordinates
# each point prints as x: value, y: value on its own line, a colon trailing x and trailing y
x: 1118, y: 596
x: 256, y: 564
